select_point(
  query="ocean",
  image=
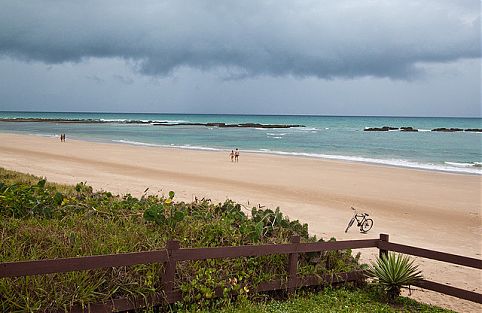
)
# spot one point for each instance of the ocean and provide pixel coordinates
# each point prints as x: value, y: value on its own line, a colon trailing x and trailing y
x: 325, y: 137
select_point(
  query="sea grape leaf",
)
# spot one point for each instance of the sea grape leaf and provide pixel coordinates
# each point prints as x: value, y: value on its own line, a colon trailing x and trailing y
x: 178, y: 216
x: 259, y: 229
x: 41, y: 183
x: 155, y: 214
x: 58, y: 198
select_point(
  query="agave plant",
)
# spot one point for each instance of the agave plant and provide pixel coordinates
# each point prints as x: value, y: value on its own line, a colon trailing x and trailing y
x: 394, y: 272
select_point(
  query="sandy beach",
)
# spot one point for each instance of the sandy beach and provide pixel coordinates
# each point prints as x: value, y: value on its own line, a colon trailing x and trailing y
x: 433, y: 210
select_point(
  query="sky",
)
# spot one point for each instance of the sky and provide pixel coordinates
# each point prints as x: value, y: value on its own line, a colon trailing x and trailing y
x: 344, y: 57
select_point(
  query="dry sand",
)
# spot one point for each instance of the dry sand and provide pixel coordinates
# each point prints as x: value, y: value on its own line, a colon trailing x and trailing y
x: 427, y: 209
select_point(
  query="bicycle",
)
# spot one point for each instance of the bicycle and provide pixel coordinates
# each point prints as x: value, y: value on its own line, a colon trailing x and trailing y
x: 363, y: 222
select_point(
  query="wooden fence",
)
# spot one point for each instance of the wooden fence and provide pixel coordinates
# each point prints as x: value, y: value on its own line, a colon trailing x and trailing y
x: 173, y: 254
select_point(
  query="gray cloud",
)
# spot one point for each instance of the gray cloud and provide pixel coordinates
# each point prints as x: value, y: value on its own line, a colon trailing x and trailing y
x: 95, y: 78
x: 324, y: 39
x: 123, y: 79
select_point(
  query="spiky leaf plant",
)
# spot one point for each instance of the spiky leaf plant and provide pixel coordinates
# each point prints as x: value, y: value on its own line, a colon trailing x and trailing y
x: 394, y: 272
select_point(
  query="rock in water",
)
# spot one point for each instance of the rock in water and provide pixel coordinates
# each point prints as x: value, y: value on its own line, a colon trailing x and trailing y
x: 449, y: 130
x: 408, y: 129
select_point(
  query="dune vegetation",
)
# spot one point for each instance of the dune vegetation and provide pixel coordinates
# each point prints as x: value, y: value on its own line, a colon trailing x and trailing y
x: 43, y: 220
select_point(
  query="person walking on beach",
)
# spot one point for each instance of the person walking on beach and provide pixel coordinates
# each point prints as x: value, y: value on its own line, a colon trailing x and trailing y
x: 232, y: 155
x: 236, y: 155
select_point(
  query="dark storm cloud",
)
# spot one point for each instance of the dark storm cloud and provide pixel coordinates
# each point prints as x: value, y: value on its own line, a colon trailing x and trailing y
x: 325, y: 39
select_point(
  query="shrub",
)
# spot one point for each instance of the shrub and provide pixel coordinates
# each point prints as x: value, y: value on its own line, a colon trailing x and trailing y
x: 40, y: 220
x: 393, y: 272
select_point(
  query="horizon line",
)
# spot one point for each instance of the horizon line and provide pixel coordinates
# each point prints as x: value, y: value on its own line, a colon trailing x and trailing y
x: 240, y: 114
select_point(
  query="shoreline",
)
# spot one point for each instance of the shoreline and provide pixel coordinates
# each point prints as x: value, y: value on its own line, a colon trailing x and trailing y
x: 393, y: 163
x: 428, y: 209
x: 302, y: 155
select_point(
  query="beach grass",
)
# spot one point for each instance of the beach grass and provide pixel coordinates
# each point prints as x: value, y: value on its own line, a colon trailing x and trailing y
x: 13, y: 177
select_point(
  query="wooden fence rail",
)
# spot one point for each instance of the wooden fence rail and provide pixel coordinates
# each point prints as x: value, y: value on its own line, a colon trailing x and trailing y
x: 173, y: 254
x: 384, y: 246
x: 430, y: 254
x: 27, y: 268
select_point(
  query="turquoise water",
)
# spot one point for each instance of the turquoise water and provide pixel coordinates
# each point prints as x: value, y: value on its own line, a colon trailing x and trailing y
x: 323, y: 137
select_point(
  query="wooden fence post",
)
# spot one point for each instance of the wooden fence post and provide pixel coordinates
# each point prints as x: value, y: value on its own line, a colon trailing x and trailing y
x: 170, y: 270
x: 293, y: 267
x: 385, y: 238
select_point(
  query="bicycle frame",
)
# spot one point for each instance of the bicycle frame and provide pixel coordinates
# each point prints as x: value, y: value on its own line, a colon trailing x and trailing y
x: 362, y: 221
x: 360, y: 218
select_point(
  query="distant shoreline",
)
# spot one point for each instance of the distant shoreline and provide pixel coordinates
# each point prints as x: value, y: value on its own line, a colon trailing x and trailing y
x: 450, y: 169
x: 216, y: 124
x: 151, y: 122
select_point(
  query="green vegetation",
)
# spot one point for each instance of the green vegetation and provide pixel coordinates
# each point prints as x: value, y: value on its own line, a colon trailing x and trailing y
x: 40, y: 220
x: 330, y: 300
x: 393, y: 272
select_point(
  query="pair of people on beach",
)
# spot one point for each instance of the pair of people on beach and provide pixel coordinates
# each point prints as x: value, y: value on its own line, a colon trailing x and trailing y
x: 234, y: 155
x: 62, y: 137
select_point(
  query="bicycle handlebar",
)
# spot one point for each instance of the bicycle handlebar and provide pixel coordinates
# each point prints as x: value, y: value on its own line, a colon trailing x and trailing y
x: 359, y: 214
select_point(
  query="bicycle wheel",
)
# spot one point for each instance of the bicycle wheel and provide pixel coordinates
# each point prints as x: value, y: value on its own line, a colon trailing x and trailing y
x: 367, y: 225
x: 349, y: 224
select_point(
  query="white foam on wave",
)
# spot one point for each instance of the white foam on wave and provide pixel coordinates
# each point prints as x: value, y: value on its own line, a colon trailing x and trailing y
x: 138, y: 143
x: 306, y: 128
x: 123, y: 120
x: 302, y: 130
x: 170, y: 121
x: 113, y: 119
x: 197, y: 148
x: 46, y: 135
x: 463, y: 164
x: 391, y: 162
